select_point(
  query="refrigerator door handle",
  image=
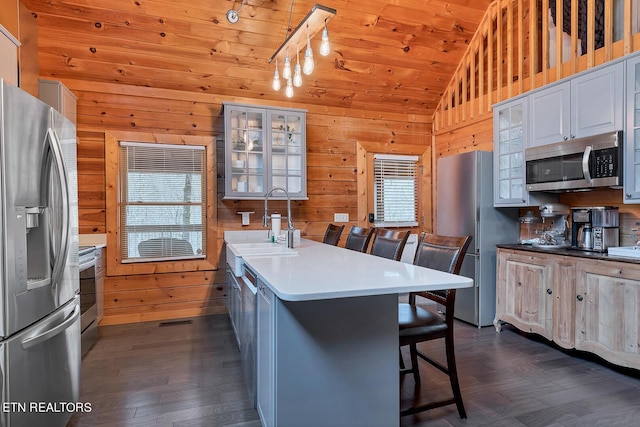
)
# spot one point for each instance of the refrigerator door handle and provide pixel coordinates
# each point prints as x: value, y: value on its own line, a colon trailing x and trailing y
x: 61, y: 258
x: 37, y: 339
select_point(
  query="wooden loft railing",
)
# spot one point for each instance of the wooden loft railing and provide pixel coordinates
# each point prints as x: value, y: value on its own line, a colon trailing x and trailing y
x: 510, y: 54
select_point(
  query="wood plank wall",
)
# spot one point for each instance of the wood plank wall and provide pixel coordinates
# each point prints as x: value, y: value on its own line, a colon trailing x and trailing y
x: 334, y: 136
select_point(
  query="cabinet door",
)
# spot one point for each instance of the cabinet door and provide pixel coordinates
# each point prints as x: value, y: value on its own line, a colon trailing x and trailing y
x: 245, y: 159
x: 265, y: 355
x: 608, y: 311
x: 597, y: 101
x: 264, y: 148
x: 9, y: 65
x: 564, y: 302
x: 632, y: 133
x: 524, y: 295
x: 288, y: 151
x: 510, y: 131
x: 549, y: 118
x: 57, y: 95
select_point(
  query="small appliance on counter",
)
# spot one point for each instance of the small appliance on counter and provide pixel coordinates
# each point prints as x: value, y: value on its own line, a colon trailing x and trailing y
x: 531, y: 228
x: 554, y: 233
x: 595, y: 228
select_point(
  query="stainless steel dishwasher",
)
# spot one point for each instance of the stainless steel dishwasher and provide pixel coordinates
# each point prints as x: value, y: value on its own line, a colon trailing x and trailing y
x: 88, y: 300
x: 248, y: 329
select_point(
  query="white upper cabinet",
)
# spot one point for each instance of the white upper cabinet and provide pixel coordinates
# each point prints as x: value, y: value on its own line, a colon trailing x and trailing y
x: 597, y: 101
x: 589, y: 104
x: 550, y: 112
x: 9, y: 54
x: 264, y: 148
x: 59, y: 97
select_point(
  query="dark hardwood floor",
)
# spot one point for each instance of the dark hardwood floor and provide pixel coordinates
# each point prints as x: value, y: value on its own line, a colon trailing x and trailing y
x: 188, y: 374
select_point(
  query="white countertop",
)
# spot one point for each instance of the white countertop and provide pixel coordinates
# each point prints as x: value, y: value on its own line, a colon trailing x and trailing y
x: 321, y: 271
x: 97, y: 240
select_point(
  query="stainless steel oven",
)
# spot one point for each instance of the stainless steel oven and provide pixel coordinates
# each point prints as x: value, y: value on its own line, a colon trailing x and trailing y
x: 88, y: 300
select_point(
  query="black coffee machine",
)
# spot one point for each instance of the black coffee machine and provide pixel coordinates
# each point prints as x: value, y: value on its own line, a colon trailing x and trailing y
x: 594, y: 228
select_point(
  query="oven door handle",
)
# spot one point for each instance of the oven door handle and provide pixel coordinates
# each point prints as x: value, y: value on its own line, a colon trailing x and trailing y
x: 87, y: 265
x: 37, y: 339
x: 585, y: 163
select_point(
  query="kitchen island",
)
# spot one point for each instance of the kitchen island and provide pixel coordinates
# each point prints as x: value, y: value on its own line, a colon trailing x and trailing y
x: 327, y: 345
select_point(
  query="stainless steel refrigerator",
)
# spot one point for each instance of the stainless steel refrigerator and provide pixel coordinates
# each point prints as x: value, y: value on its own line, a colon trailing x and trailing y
x: 39, y: 284
x: 465, y: 207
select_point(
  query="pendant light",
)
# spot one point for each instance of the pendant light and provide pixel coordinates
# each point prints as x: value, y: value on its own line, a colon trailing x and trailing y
x: 289, y: 90
x: 308, y: 57
x: 276, y: 79
x: 325, y: 49
x: 312, y: 24
x: 286, y: 70
x: 297, y: 75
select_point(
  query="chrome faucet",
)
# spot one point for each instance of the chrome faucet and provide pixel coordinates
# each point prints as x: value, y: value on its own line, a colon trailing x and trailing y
x: 265, y: 218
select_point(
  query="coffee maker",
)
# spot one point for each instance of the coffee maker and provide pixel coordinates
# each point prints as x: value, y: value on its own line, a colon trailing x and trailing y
x: 594, y: 228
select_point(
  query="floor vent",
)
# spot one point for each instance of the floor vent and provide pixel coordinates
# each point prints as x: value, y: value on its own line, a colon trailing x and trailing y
x: 175, y: 323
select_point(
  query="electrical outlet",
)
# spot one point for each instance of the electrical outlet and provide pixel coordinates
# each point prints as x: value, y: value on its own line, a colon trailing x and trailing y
x: 341, y: 217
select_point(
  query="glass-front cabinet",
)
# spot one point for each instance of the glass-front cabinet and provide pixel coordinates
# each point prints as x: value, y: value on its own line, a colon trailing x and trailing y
x: 264, y: 149
x: 632, y: 134
x: 509, y: 140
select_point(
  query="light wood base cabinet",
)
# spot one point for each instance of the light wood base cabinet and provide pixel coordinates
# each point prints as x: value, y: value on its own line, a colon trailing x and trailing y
x: 608, y: 311
x: 522, y: 294
x: 589, y: 305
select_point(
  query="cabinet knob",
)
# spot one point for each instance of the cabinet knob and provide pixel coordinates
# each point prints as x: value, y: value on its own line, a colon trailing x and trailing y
x: 549, y: 291
x: 564, y: 138
x: 628, y: 195
x: 579, y: 297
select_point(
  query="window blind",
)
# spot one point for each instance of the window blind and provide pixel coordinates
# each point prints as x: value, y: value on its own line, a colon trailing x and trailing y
x: 395, y: 188
x: 162, y: 201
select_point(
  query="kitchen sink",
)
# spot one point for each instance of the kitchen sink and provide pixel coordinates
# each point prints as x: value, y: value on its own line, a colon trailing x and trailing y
x: 237, y: 251
x: 626, y: 251
x: 262, y: 248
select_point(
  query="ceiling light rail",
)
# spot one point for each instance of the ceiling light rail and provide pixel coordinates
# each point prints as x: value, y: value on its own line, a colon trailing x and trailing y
x: 315, y: 21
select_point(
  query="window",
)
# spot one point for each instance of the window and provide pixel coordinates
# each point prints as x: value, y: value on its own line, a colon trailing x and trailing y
x: 395, y: 190
x: 162, y: 201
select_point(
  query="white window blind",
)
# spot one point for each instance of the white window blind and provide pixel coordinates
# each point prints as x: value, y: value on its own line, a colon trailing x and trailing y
x: 162, y: 202
x: 395, y: 190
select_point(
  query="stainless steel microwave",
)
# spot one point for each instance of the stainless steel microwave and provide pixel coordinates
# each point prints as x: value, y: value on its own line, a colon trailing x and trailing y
x: 577, y: 164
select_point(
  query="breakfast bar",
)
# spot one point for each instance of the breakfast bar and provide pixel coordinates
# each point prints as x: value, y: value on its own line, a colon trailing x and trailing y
x: 327, y: 341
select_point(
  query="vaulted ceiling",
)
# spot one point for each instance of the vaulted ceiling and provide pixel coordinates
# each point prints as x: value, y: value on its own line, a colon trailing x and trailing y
x: 387, y: 55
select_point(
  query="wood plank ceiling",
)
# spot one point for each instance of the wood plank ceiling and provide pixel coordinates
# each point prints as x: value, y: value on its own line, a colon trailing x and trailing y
x: 387, y: 55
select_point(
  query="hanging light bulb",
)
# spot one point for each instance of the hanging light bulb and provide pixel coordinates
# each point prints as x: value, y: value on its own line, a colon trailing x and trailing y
x: 308, y: 57
x: 324, y: 45
x: 286, y: 70
x: 297, y: 75
x: 289, y: 90
x: 276, y: 79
